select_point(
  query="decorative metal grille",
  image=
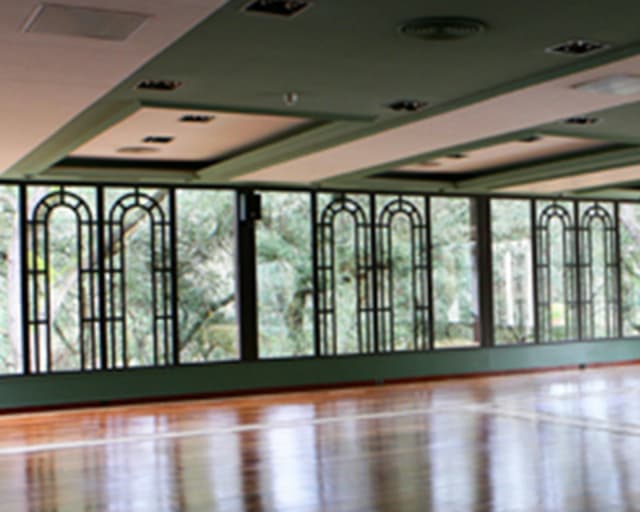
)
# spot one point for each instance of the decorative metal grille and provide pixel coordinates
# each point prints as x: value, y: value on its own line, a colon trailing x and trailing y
x: 556, y: 320
x: 120, y: 221
x: 590, y: 246
x: 332, y: 332
x: 43, y: 305
x: 419, y: 273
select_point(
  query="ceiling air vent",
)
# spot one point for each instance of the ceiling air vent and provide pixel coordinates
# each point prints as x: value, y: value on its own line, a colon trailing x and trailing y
x: 159, y: 85
x: 577, y: 47
x: 443, y: 29
x: 196, y: 118
x: 530, y: 138
x: 282, y: 8
x: 582, y: 120
x: 75, y: 21
x: 157, y: 139
x: 137, y: 150
x: 407, y: 105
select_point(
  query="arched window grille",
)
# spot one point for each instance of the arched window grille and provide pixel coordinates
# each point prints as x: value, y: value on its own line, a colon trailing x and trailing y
x: 123, y: 217
x: 599, y: 273
x: 353, y: 244
x: 416, y: 252
x: 46, y: 303
x: 557, y: 312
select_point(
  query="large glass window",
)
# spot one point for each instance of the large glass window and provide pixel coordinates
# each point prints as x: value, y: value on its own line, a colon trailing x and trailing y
x: 206, y: 275
x: 513, y: 309
x: 62, y: 264
x: 629, y: 218
x: 403, y: 273
x: 285, y: 275
x: 10, y: 297
x: 138, y: 277
x: 599, y: 270
x: 345, y: 277
x: 455, y: 279
x: 556, y: 265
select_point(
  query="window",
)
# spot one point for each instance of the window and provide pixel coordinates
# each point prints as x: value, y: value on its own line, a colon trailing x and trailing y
x: 512, y: 272
x: 10, y: 283
x: 138, y: 271
x: 629, y: 218
x: 403, y: 273
x: 206, y: 275
x: 556, y: 262
x: 285, y: 275
x: 455, y: 279
x: 345, y: 280
x: 598, y: 271
x: 62, y: 269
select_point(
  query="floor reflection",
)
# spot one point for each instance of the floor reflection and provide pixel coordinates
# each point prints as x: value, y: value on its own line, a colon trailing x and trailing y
x: 556, y: 442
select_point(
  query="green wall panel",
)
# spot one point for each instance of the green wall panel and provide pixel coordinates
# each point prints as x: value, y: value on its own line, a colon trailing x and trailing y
x: 122, y: 385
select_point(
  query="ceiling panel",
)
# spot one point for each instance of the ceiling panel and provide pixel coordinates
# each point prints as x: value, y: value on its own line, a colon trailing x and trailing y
x: 153, y: 133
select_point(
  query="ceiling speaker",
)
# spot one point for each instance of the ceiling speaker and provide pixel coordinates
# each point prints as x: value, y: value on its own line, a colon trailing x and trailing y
x: 75, y: 21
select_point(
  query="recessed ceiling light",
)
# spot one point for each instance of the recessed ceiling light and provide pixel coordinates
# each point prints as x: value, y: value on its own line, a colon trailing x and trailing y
x: 582, y: 120
x: 196, y: 118
x: 159, y: 85
x: 284, y: 8
x: 157, y: 139
x: 616, y: 85
x: 443, y: 28
x: 577, y: 47
x: 407, y: 105
x: 456, y: 156
x: 137, y: 150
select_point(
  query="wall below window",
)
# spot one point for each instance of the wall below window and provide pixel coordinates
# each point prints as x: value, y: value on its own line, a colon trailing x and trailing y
x: 103, y: 387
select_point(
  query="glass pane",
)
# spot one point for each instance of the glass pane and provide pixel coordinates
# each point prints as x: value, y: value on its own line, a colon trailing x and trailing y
x: 10, y: 299
x: 599, y: 271
x: 513, y: 312
x: 206, y: 275
x: 455, y: 279
x: 285, y: 279
x: 138, y: 276
x: 345, y: 294
x: 556, y: 261
x: 630, y: 261
x: 403, y: 273
x: 63, y: 288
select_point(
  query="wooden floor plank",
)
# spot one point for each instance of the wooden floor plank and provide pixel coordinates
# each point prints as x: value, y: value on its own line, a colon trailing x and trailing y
x: 561, y: 441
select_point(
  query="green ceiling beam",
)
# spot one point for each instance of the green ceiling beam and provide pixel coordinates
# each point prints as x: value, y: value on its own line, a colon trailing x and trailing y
x: 69, y: 138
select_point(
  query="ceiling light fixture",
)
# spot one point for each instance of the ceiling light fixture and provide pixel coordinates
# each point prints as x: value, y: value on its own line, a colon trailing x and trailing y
x: 616, y: 85
x: 159, y: 85
x: 443, y: 28
x: 577, y: 47
x: 137, y: 150
x: 157, y: 139
x: 407, y: 105
x: 283, y: 8
x: 582, y: 120
x: 197, y: 118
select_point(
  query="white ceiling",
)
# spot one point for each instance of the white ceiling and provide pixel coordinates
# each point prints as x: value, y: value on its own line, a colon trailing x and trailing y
x: 507, y: 153
x: 47, y: 80
x: 609, y: 177
x: 514, y: 111
x: 225, y: 133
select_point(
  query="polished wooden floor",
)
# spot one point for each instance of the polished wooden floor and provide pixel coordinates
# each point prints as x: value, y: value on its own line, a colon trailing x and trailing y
x: 561, y: 441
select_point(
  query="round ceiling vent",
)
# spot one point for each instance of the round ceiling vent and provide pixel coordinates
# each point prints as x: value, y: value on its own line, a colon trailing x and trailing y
x: 443, y: 29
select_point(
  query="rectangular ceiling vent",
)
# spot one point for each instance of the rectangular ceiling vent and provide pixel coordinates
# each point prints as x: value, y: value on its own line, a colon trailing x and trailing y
x: 577, y: 47
x: 74, y: 21
x: 282, y: 8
